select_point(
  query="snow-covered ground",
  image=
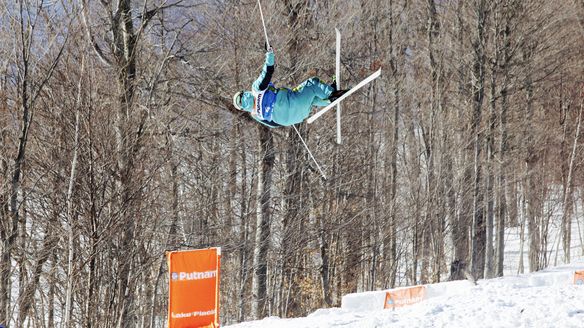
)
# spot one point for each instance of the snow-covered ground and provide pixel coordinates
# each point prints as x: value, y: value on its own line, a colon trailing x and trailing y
x: 547, y: 298
x: 542, y: 299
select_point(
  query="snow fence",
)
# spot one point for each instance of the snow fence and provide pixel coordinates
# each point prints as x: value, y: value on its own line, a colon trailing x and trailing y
x: 579, y: 277
x: 403, y: 296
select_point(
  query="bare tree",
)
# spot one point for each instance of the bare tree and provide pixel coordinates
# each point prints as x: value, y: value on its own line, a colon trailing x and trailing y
x: 478, y: 90
x: 30, y: 79
x: 264, y: 215
x: 110, y: 158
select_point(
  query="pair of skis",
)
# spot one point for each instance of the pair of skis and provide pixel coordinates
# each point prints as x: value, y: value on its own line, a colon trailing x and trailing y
x: 337, y: 102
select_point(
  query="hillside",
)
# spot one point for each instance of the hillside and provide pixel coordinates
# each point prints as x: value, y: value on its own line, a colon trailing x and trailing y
x: 542, y: 299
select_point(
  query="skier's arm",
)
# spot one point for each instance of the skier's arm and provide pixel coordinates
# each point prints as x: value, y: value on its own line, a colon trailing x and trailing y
x: 266, y: 75
x: 270, y: 125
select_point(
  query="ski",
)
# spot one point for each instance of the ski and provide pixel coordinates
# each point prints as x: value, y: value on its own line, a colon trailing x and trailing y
x: 338, y: 79
x: 348, y: 93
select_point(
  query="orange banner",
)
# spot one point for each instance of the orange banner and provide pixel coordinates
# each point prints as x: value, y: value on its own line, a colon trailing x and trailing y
x: 403, y: 297
x: 194, y: 288
x: 579, y: 278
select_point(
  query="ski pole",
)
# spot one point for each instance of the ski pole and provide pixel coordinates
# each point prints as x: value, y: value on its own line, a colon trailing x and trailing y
x: 299, y: 135
x: 264, y: 24
x: 309, y: 152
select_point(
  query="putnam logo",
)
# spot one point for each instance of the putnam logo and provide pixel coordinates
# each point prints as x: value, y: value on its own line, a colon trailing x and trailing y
x: 186, y: 276
x: 405, y: 301
x: 403, y: 297
x: 579, y: 278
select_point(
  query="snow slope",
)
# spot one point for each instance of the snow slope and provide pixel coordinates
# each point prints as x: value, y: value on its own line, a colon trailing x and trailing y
x: 543, y: 299
x: 546, y: 298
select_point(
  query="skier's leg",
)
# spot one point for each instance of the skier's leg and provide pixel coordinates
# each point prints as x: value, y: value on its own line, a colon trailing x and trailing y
x: 294, y: 105
x: 315, y: 87
x: 320, y: 102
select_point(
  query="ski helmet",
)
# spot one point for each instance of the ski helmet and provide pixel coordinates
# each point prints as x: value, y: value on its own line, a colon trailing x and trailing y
x: 237, y: 100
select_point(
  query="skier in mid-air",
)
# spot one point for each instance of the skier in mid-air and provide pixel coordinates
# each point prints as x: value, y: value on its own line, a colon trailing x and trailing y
x: 275, y: 107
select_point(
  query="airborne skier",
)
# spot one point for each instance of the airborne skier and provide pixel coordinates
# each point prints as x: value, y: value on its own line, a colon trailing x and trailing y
x: 275, y: 107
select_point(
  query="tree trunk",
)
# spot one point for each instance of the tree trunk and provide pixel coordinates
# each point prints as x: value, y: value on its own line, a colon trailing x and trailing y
x: 69, y: 212
x: 11, y: 230
x: 533, y: 203
x: 490, y: 176
x: 502, y: 188
x: 4, y: 256
x: 128, y: 144
x: 521, y: 225
x: 462, y: 222
x: 243, y: 236
x: 325, y: 261
x: 568, y: 197
x: 478, y: 226
x: 579, y: 6
x: 264, y: 217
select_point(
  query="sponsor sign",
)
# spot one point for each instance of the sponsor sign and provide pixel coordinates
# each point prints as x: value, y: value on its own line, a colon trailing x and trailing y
x: 404, y: 296
x: 579, y: 278
x: 194, y: 288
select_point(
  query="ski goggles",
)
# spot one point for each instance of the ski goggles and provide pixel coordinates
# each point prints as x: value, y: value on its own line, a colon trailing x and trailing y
x: 237, y: 100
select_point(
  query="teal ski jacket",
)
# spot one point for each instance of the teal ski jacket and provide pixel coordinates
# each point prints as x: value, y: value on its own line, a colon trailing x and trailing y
x: 282, y: 106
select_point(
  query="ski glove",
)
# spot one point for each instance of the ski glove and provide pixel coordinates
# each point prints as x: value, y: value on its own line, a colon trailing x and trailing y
x: 270, y: 48
x: 270, y: 58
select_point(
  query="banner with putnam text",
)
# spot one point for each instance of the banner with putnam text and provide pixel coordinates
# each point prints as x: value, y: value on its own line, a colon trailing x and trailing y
x: 404, y: 296
x: 194, y: 288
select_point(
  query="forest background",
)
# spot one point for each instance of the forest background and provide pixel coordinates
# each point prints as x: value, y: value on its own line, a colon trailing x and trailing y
x: 119, y: 142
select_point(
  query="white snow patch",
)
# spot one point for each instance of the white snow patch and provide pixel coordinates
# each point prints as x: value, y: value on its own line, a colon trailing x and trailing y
x: 542, y: 299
